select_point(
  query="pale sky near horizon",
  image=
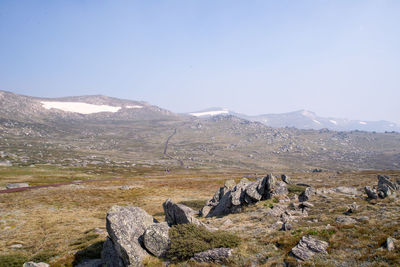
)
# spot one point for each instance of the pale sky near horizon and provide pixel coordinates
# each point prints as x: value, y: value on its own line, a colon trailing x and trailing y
x: 336, y: 58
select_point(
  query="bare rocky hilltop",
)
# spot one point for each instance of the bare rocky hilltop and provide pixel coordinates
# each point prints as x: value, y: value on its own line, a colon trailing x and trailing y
x: 98, y: 130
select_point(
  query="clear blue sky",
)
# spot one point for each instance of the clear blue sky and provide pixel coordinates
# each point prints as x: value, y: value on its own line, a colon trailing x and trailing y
x: 337, y: 58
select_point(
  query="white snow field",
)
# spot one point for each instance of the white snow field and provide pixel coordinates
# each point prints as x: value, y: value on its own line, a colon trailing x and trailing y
x: 79, y: 107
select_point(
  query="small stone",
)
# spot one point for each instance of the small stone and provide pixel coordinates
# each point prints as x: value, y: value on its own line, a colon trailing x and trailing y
x: 216, y: 255
x: 363, y: 219
x: 126, y: 187
x: 286, y: 227
x: 16, y: 246
x: 16, y: 185
x: 353, y: 208
x: 34, y: 264
x: 230, y: 184
x: 345, y: 220
x: 306, y: 195
x: 389, y: 244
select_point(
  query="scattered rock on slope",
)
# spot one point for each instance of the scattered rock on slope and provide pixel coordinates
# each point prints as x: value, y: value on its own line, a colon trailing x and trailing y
x: 306, y: 194
x: 286, y: 179
x: 16, y: 185
x: 308, y: 247
x: 34, y: 264
x: 370, y: 192
x: 216, y: 255
x: 386, y: 187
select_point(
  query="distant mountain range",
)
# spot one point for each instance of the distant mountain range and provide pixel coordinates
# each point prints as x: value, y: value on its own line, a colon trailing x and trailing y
x: 303, y: 119
x: 99, y: 130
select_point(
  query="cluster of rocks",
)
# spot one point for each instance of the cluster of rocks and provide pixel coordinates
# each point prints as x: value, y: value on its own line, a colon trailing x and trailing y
x: 386, y: 187
x: 232, y: 197
x: 133, y: 234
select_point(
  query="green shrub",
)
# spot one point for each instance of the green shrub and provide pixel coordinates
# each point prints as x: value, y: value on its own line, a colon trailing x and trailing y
x: 295, y: 189
x: 91, y: 252
x: 189, y: 239
x: 12, y: 260
x: 43, y: 256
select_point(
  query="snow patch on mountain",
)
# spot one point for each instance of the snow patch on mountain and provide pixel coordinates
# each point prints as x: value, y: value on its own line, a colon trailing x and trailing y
x: 209, y: 113
x: 79, y: 107
x: 134, y: 107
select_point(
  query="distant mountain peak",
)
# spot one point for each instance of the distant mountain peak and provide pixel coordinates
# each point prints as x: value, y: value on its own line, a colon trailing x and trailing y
x: 305, y: 119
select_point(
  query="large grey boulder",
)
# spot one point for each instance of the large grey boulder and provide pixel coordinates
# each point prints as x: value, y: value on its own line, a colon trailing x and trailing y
x: 306, y: 194
x: 308, y: 247
x: 125, y: 227
x: 231, y: 201
x: 179, y: 214
x: 216, y: 255
x: 156, y: 239
x: 34, y: 264
x: 16, y: 185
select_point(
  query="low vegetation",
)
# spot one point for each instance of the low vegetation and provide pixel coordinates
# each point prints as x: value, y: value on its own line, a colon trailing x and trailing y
x: 189, y: 239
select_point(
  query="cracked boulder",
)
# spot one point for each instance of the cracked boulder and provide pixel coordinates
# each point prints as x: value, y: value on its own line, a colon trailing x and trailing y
x: 126, y: 227
x: 156, y: 239
x: 308, y: 247
x: 216, y: 255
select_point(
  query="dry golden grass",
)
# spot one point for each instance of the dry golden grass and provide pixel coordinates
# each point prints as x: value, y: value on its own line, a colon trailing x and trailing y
x: 56, y: 223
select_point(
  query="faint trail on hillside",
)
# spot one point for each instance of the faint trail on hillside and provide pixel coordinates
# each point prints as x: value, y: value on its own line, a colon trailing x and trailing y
x: 166, y: 143
x: 166, y: 148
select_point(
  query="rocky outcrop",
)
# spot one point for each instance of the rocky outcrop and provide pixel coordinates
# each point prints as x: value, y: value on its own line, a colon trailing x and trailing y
x: 156, y: 239
x: 389, y: 244
x: 216, y: 255
x: 126, y: 227
x: 229, y: 200
x: 308, y: 247
x: 345, y: 220
x: 386, y: 187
